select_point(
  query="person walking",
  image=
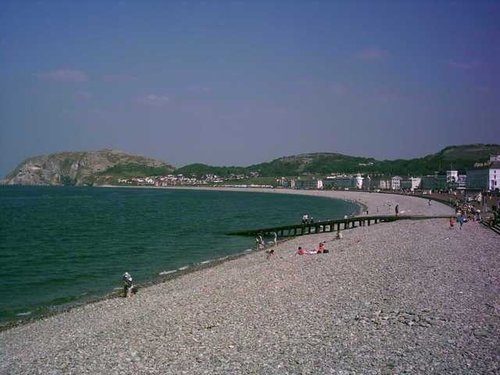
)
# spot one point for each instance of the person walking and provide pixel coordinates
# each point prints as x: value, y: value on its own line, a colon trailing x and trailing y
x: 461, y: 220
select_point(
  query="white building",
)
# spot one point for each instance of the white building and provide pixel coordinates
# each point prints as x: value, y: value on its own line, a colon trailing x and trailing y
x: 486, y: 178
x: 396, y: 183
x: 358, y: 181
x: 382, y: 183
x: 411, y: 183
x: 451, y: 176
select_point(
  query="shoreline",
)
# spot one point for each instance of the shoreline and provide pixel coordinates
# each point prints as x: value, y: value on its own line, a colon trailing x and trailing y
x: 162, y: 277
x: 402, y: 296
x: 358, y: 198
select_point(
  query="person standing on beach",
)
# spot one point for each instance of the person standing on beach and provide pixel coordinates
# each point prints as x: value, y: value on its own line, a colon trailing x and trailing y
x: 128, y: 286
x: 396, y: 209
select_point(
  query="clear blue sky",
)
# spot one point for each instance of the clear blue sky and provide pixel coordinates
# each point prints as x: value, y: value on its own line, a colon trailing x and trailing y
x: 242, y: 82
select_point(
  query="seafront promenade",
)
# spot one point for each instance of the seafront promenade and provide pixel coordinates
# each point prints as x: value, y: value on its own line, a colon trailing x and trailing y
x: 403, y: 297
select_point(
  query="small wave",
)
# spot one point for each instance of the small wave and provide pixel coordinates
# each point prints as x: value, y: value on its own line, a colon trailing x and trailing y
x: 167, y: 272
x: 205, y: 262
x: 24, y: 313
x: 183, y: 268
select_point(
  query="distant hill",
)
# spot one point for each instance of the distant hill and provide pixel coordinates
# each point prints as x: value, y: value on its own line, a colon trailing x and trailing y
x: 107, y: 166
x: 316, y: 163
x: 84, y: 168
x: 457, y: 157
x: 203, y: 170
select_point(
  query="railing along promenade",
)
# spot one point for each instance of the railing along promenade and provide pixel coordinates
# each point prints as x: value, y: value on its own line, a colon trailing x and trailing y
x: 327, y: 226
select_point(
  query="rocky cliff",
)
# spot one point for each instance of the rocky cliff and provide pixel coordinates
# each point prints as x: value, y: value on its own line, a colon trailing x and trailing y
x: 83, y: 168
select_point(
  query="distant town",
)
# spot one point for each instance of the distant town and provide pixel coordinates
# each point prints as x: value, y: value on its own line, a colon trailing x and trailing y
x: 484, y: 176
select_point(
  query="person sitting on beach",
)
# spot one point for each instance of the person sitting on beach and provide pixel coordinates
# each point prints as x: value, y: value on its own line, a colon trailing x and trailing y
x: 339, y: 235
x: 270, y: 253
x: 301, y: 251
x: 452, y: 222
x: 321, y: 248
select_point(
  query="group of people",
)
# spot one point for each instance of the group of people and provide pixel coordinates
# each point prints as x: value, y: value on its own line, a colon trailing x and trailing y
x: 465, y: 212
x: 301, y: 251
x: 261, y: 244
x: 320, y: 250
x: 460, y: 219
x: 306, y: 219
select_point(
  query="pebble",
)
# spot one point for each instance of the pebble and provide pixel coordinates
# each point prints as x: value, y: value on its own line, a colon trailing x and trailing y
x: 384, y: 300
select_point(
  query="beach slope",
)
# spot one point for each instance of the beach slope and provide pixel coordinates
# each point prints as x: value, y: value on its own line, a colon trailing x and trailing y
x: 407, y: 296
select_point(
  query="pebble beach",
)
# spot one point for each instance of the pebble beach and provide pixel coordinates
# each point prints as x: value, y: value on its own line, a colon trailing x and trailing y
x: 411, y: 296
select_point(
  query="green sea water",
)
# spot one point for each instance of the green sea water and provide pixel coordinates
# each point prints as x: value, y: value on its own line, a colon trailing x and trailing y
x: 66, y: 245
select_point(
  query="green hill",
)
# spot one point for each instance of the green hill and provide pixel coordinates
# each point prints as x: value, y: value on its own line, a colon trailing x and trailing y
x: 198, y: 170
x: 108, y: 166
x: 456, y: 157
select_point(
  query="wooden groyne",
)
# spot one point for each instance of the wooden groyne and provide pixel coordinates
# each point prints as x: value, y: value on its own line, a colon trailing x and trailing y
x: 326, y: 226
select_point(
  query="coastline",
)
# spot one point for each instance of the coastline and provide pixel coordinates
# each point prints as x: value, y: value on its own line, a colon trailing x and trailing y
x: 153, y: 279
x: 376, y: 203
x: 210, y: 319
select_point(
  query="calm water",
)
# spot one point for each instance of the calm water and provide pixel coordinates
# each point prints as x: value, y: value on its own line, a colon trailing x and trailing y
x: 61, y: 246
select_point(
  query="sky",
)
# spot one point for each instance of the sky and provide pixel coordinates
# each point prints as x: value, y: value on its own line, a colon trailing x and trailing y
x: 232, y: 82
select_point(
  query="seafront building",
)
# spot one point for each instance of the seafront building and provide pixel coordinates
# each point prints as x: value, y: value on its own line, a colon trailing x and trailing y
x: 343, y: 182
x: 306, y: 184
x: 410, y: 183
x: 396, y: 183
x: 486, y: 176
x: 434, y: 182
x: 379, y: 183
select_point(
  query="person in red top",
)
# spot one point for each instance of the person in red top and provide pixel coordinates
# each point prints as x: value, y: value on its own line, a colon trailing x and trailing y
x: 321, y: 248
x: 300, y: 251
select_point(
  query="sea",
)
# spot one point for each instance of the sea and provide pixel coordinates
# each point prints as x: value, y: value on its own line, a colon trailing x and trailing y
x: 64, y: 246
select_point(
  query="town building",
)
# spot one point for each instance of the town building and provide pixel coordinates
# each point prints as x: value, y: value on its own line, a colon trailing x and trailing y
x: 358, y: 181
x: 436, y: 182
x: 343, y: 182
x: 411, y: 183
x: 306, y: 184
x: 486, y: 177
x: 451, y: 176
x: 380, y: 183
x: 396, y: 183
